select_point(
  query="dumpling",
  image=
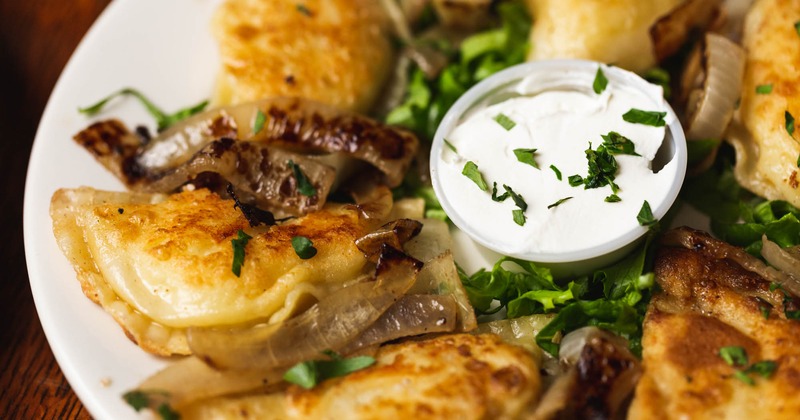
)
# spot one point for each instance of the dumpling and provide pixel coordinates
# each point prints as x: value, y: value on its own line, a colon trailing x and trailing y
x: 767, y: 155
x: 611, y: 31
x: 159, y: 264
x: 333, y: 51
x: 447, y: 377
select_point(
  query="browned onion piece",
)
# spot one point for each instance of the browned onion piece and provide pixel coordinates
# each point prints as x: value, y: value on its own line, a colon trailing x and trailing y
x: 261, y: 175
x: 709, y: 110
x: 395, y: 234
x: 520, y: 331
x: 189, y: 380
x: 411, y: 315
x: 787, y: 260
x: 328, y: 325
x: 602, y: 375
x: 469, y: 15
x: 300, y: 125
x: 670, y: 32
x: 439, y: 276
x: 374, y: 203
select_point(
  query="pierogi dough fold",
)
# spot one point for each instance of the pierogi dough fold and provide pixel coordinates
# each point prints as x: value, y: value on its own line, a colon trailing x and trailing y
x: 767, y: 155
x: 160, y: 264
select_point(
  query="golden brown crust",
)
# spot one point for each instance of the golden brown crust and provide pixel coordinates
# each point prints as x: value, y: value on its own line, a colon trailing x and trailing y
x: 456, y: 376
x: 708, y: 302
x: 610, y: 31
x: 333, y: 51
x: 159, y: 263
x: 766, y: 155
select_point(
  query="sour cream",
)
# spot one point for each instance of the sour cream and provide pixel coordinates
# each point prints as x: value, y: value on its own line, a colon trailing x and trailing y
x: 560, y: 115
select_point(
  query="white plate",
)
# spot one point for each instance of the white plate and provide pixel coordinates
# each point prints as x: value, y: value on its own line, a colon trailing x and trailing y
x: 165, y: 49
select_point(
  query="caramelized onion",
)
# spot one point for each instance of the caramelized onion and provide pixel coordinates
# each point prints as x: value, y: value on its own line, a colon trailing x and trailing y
x: 297, y: 125
x: 189, y: 380
x: 787, y: 260
x: 439, y: 276
x: 395, y: 234
x: 260, y: 173
x: 520, y: 331
x: 328, y: 325
x: 709, y: 109
x: 411, y: 315
x: 602, y: 374
x: 469, y: 15
x: 670, y: 32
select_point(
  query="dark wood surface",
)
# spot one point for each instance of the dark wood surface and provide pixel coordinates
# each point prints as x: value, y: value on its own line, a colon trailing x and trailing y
x: 37, y: 38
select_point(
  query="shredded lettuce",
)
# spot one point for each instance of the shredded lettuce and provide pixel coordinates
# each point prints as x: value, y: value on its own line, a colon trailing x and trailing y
x: 737, y: 216
x: 478, y: 57
x: 614, y: 298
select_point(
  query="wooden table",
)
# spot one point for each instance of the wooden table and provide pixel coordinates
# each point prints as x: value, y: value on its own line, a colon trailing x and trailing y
x: 37, y: 38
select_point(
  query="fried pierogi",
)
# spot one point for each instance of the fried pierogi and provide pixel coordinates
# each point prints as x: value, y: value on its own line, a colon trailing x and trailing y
x: 713, y: 297
x: 334, y: 51
x: 767, y: 154
x: 610, y: 31
x: 452, y: 376
x: 160, y: 264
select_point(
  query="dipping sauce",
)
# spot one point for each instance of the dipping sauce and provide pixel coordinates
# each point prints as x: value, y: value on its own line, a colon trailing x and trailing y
x: 561, y: 116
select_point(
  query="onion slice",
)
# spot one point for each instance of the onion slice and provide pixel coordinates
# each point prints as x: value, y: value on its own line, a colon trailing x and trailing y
x: 395, y: 234
x: 670, y: 32
x: 602, y: 374
x: 189, y: 380
x: 411, y: 315
x: 709, y: 110
x: 328, y: 325
x: 787, y: 260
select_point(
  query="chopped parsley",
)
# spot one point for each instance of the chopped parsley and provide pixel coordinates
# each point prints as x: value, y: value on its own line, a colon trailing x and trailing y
x: 736, y: 356
x: 519, y: 217
x: 526, y: 156
x: 645, y: 216
x: 652, y: 118
x: 505, y: 121
x: 303, y: 247
x: 600, y: 81
x: 765, y: 310
x: 450, y: 146
x: 471, y: 171
x: 733, y: 355
x: 575, y: 180
x: 797, y: 27
x: 303, y: 184
x: 258, y: 122
x: 764, y: 89
x: 617, y: 144
x: 140, y: 400
x: 238, y: 251
x: 613, y: 198
x: 303, y: 9
x: 498, y: 198
x: 557, y: 203
x: 163, y: 120
x: 789, y: 123
x: 602, y: 169
x: 309, y: 374
x: 518, y: 200
x: 765, y: 368
x: 558, y: 173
